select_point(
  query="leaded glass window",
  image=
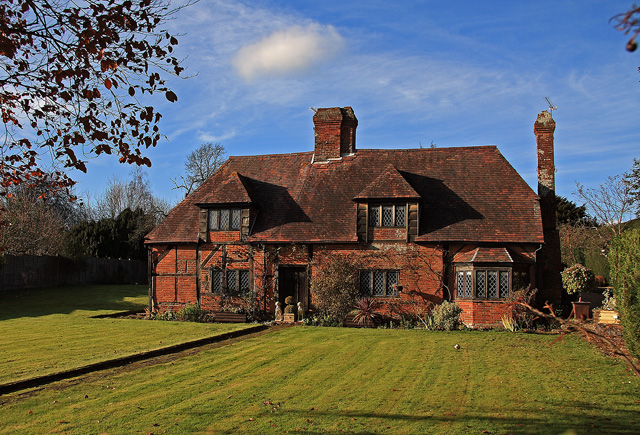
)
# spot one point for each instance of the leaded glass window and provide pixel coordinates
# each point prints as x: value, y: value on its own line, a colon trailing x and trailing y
x: 488, y: 283
x: 392, y: 281
x: 401, y: 215
x: 464, y: 285
x: 492, y: 281
x: 216, y: 281
x: 224, y: 219
x: 245, y: 283
x: 504, y: 284
x: 235, y: 219
x: 214, y: 216
x: 387, y: 215
x: 374, y: 216
x: 481, y: 284
x: 468, y: 285
x: 379, y: 282
x: 238, y: 280
x: 460, y: 284
x: 232, y: 281
x: 365, y: 282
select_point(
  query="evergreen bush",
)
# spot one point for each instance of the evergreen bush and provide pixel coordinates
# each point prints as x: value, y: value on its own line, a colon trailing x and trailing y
x: 446, y: 316
x: 624, y: 261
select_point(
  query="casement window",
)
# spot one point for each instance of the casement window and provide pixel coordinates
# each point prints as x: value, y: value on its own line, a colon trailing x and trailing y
x: 379, y: 283
x: 387, y: 215
x: 225, y: 219
x: 483, y: 283
x: 237, y: 281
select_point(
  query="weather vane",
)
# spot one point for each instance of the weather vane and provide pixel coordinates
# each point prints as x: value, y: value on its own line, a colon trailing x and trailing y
x: 551, y: 106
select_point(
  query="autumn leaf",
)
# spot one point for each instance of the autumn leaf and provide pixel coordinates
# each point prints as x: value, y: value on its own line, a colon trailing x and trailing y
x: 107, y: 84
x: 171, y: 96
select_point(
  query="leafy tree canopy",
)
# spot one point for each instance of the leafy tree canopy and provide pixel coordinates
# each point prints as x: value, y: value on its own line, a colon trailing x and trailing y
x: 70, y: 78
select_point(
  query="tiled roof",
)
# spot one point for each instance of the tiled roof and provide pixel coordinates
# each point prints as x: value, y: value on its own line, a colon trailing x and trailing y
x: 466, y: 194
x: 389, y: 185
x: 229, y: 191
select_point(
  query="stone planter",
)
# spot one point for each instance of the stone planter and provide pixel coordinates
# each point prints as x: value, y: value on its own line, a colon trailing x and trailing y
x: 289, y: 317
x: 581, y: 310
x: 606, y: 316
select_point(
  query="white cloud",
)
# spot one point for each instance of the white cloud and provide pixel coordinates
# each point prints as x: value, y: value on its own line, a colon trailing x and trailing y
x: 294, y: 49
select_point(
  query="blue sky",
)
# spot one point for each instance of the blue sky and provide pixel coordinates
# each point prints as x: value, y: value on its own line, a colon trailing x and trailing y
x: 415, y: 72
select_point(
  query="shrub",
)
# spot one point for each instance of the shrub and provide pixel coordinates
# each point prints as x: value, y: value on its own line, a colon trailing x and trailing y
x: 446, y: 316
x: 288, y: 300
x: 366, y: 313
x: 577, y: 279
x: 624, y: 258
x: 191, y: 313
x: 335, y: 287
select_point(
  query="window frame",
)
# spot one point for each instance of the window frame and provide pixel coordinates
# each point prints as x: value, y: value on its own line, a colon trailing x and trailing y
x: 217, y: 224
x: 387, y: 285
x: 380, y: 215
x: 224, y: 286
x: 471, y: 274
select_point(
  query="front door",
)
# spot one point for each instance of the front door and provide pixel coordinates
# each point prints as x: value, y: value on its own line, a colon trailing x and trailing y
x: 293, y: 282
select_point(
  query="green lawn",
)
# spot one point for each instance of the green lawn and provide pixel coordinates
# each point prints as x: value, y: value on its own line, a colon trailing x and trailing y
x: 48, y: 330
x: 333, y: 380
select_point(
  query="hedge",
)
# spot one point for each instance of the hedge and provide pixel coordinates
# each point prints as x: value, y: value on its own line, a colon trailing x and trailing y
x: 624, y: 261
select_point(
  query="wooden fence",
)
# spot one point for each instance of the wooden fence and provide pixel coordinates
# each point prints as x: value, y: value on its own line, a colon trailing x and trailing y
x: 25, y: 271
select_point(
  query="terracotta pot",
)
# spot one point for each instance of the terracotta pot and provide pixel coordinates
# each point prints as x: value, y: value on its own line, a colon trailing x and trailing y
x: 581, y: 310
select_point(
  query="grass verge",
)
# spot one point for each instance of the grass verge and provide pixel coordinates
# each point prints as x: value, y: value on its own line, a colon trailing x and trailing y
x: 316, y: 380
x: 49, y: 330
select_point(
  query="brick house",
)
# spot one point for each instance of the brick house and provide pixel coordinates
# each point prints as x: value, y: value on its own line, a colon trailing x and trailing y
x: 424, y: 225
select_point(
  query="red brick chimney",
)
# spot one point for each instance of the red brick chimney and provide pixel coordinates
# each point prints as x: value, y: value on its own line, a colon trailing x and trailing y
x: 543, y: 129
x: 549, y: 258
x: 335, y: 133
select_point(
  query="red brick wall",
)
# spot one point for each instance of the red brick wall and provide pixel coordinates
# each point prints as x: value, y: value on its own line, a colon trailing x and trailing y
x: 420, y: 270
x: 483, y: 314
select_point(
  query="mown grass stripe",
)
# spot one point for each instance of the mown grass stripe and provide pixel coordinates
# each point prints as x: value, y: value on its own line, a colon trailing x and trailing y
x: 10, y: 387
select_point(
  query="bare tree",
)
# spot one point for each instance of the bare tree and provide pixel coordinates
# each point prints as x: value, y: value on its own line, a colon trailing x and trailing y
x: 200, y: 165
x: 29, y: 225
x: 133, y: 194
x: 611, y: 204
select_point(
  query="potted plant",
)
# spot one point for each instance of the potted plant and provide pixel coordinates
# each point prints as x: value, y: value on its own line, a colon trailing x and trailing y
x: 290, y: 310
x: 576, y: 280
x: 608, y: 313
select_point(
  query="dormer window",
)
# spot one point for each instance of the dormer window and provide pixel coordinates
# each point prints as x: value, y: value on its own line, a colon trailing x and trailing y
x: 225, y: 219
x: 387, y: 215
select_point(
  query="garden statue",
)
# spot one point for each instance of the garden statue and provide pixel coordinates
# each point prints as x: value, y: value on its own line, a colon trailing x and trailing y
x: 278, y: 312
x: 300, y: 311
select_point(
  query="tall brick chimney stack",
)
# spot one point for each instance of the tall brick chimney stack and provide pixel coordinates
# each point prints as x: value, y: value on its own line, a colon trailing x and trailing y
x: 335, y: 133
x: 549, y: 261
x: 543, y: 129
